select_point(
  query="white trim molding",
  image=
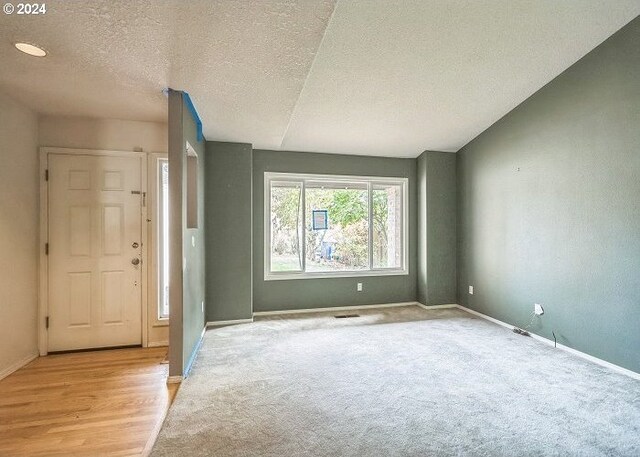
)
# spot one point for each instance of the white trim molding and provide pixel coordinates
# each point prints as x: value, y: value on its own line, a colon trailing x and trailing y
x: 300, y: 180
x: 450, y: 305
x: 157, y: 344
x: 157, y: 328
x: 231, y: 322
x: 590, y: 358
x: 332, y: 309
x: 17, y: 365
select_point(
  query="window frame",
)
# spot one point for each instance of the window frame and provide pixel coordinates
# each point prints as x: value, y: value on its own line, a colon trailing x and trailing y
x: 301, y: 179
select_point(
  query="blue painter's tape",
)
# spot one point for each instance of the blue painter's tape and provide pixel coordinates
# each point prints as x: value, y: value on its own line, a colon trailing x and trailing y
x: 194, y: 113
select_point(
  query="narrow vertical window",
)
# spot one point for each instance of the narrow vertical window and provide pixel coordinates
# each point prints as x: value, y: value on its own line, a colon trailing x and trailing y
x: 163, y: 239
x: 387, y: 225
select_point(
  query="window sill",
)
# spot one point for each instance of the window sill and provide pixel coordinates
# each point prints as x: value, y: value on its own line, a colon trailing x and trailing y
x: 333, y: 275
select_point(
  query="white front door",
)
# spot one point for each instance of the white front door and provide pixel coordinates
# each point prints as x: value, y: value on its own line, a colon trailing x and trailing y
x: 95, y: 251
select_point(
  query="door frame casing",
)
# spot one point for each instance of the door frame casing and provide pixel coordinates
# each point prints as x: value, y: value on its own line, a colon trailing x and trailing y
x: 43, y: 282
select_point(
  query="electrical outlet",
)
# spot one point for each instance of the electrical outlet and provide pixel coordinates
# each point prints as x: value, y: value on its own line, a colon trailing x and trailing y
x: 470, y: 290
x: 359, y: 287
x: 538, y: 309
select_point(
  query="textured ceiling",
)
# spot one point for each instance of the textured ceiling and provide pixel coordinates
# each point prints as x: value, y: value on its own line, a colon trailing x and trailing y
x: 376, y: 77
x: 399, y: 77
x: 243, y: 62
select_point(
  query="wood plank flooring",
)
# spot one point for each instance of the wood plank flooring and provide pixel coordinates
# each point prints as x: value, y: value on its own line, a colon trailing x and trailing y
x: 102, y: 403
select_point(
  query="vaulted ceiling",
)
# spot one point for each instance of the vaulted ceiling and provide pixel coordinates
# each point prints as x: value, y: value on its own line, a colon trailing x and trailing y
x: 376, y: 77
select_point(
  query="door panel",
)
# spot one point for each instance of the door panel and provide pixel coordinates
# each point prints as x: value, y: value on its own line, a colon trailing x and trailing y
x: 80, y: 231
x: 112, y: 229
x: 79, y: 299
x: 95, y: 290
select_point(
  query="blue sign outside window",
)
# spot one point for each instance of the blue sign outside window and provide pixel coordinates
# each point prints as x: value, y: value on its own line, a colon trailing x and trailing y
x: 320, y: 219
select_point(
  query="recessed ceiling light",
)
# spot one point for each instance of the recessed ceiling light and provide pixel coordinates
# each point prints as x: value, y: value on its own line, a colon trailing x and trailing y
x: 31, y: 49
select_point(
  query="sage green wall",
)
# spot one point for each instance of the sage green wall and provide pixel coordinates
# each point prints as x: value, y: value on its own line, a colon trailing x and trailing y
x: 436, y: 228
x: 229, y: 231
x: 186, y: 289
x: 318, y: 293
x: 193, y: 251
x: 549, y: 207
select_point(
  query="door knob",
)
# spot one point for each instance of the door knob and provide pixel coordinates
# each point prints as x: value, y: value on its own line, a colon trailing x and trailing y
x: 135, y: 261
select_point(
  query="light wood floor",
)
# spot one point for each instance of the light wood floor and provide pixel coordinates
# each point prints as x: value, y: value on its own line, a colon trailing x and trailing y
x: 102, y: 403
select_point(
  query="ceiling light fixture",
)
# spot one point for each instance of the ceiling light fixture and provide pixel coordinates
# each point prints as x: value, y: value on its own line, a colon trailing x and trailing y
x: 31, y: 49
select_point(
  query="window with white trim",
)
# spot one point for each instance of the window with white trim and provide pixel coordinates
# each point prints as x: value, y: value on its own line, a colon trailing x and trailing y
x: 331, y: 225
x: 163, y: 238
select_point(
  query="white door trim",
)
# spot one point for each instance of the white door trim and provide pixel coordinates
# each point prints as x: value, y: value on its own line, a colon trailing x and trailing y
x: 43, y: 295
x: 329, y: 310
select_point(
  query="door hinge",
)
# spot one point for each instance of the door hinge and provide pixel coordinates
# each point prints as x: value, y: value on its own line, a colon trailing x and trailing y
x: 46, y: 248
x: 46, y: 175
x: 46, y: 322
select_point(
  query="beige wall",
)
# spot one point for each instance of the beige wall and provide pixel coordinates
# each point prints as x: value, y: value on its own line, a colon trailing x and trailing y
x: 21, y: 132
x: 18, y: 234
x: 112, y: 134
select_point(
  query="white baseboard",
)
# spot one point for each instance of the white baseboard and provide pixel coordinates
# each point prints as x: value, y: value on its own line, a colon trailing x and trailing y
x: 484, y: 316
x: 450, y: 305
x: 568, y: 349
x: 157, y: 344
x: 332, y: 309
x: 588, y: 357
x: 231, y: 322
x: 17, y: 365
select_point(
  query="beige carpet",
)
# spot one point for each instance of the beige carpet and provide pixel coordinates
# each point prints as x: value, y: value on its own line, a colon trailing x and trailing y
x: 396, y: 382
